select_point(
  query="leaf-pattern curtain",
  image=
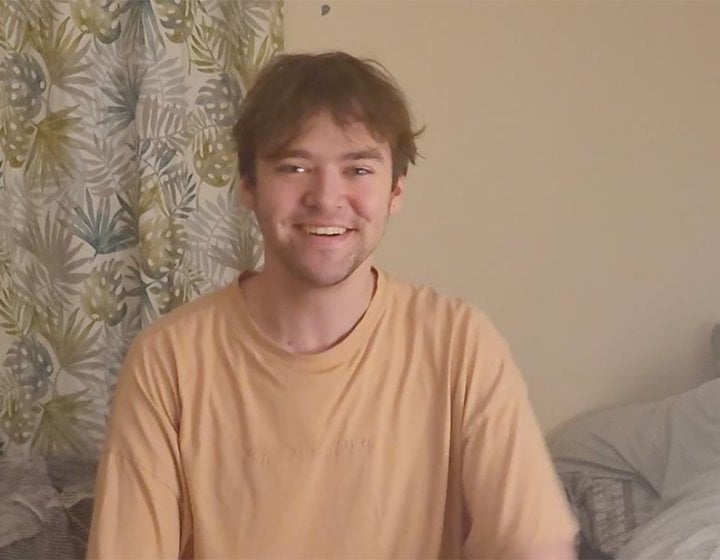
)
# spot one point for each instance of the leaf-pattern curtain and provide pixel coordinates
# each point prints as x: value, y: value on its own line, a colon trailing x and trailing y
x: 117, y: 170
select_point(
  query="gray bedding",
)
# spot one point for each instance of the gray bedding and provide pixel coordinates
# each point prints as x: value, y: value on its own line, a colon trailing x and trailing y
x: 45, y: 508
x: 687, y: 525
x: 665, y: 456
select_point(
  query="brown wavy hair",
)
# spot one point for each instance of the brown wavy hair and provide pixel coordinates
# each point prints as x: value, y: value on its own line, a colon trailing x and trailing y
x: 292, y: 88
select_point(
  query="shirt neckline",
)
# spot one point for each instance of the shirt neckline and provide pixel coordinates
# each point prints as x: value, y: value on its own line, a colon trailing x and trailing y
x: 318, y: 362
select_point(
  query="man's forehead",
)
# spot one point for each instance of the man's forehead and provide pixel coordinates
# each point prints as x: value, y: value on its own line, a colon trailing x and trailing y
x: 345, y: 139
x: 350, y: 126
x: 366, y: 152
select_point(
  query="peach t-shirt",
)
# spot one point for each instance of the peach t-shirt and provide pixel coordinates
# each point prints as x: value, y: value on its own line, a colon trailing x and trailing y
x: 411, y: 438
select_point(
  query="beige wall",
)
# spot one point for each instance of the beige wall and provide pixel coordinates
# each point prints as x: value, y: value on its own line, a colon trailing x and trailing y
x: 571, y: 186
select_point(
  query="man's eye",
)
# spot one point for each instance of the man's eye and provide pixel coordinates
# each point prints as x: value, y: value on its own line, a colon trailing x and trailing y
x: 289, y: 168
x: 361, y: 171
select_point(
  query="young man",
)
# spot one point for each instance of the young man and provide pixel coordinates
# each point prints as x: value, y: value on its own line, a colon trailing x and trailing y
x: 319, y: 408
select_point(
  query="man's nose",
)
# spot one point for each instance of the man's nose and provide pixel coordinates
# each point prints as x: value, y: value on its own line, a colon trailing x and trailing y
x: 326, y: 189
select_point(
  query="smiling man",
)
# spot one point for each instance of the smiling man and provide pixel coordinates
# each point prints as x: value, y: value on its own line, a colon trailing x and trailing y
x: 319, y: 408
x: 322, y: 202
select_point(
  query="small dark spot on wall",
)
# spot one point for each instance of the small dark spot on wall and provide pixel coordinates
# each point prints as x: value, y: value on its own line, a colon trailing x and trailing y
x: 324, y: 10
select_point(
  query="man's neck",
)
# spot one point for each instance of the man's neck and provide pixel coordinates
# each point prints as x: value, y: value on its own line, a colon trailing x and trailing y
x: 304, y: 319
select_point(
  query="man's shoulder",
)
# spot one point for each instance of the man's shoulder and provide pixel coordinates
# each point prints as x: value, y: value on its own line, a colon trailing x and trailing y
x: 450, y: 329
x: 430, y: 303
x: 209, y: 310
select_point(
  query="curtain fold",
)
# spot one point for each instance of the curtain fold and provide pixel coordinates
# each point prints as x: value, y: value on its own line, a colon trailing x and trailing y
x: 117, y: 202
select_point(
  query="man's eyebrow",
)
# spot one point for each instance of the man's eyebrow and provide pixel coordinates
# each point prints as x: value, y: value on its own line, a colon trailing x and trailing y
x: 292, y: 153
x: 369, y: 153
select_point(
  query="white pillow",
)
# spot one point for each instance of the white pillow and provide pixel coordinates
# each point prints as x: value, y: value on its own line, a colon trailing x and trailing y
x: 627, y: 442
x: 694, y: 427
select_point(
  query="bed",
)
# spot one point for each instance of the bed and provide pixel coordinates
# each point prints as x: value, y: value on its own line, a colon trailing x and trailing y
x: 644, y: 479
x: 45, y: 507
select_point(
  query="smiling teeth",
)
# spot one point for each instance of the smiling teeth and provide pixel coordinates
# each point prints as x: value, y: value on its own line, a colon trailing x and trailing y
x: 329, y: 230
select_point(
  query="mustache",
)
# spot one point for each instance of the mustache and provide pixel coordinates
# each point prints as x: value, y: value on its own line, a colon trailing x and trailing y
x: 324, y: 218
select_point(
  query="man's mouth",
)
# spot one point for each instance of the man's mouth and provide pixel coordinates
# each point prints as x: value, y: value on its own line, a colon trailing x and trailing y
x: 325, y: 230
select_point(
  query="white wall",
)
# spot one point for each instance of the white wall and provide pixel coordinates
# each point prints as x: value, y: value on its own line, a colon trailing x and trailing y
x: 571, y: 186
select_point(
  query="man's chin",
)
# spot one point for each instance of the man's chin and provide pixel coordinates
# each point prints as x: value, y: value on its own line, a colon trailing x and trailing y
x: 325, y: 280
x: 327, y: 277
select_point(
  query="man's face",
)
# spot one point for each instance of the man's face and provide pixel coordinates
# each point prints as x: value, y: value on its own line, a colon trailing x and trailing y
x: 322, y: 204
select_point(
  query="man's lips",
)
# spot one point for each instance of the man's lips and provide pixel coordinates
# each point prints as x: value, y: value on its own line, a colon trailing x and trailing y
x: 325, y: 229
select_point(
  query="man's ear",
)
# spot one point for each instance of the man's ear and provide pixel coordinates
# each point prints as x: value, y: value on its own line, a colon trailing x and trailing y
x: 396, y: 195
x: 247, y: 193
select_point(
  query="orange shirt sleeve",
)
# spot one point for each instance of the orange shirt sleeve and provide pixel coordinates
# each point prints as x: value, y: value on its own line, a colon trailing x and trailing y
x: 513, y: 498
x: 139, y: 506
